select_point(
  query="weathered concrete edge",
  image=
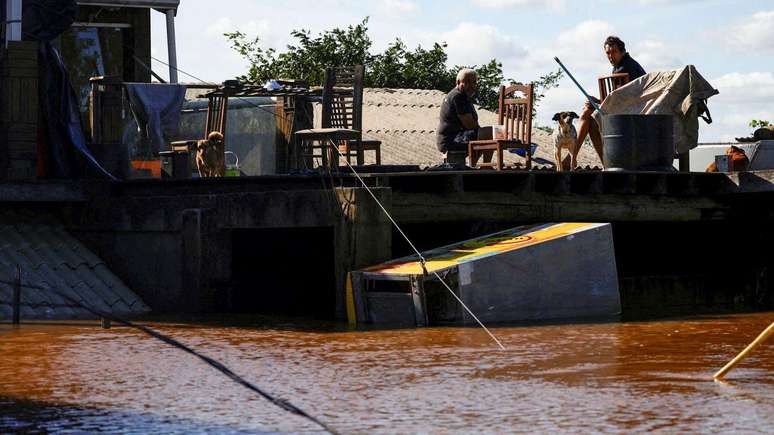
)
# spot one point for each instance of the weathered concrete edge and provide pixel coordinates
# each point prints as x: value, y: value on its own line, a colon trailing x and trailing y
x: 43, y: 191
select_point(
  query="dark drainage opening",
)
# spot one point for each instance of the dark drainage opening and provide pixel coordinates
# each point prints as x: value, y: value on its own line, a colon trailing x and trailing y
x: 284, y: 272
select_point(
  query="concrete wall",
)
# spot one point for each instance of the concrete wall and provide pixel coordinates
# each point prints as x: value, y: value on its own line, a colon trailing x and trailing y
x: 177, y: 253
x: 171, y: 241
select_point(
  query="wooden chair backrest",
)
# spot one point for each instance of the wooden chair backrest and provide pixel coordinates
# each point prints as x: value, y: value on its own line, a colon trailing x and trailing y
x: 216, y: 115
x: 608, y: 84
x: 343, y: 98
x: 515, y: 113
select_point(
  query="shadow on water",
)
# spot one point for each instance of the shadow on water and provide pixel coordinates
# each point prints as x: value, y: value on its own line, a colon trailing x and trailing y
x: 31, y: 416
x: 553, y: 377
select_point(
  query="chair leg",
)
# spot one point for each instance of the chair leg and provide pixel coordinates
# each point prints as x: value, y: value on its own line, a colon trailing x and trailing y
x: 472, y: 156
x: 378, y: 152
x: 499, y: 158
x: 295, y: 152
x: 324, y: 150
x: 333, y: 156
x: 360, y: 153
x: 529, y: 157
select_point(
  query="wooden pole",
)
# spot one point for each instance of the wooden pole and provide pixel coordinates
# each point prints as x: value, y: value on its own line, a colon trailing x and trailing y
x: 768, y: 332
x: 17, y: 297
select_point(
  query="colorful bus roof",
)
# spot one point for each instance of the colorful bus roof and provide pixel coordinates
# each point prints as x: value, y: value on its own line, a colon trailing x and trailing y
x: 481, y: 247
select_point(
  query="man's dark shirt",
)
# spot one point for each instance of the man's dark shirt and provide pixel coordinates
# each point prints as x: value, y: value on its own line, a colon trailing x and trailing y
x: 454, y: 104
x: 629, y: 66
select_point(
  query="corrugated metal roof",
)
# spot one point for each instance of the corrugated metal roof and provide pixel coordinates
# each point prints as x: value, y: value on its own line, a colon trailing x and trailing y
x: 51, y: 257
x: 405, y: 121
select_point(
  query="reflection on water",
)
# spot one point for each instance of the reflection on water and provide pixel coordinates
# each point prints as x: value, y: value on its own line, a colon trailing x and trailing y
x: 614, y: 377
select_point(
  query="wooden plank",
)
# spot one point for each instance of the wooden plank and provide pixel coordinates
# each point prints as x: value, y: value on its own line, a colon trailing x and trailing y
x: 19, y: 110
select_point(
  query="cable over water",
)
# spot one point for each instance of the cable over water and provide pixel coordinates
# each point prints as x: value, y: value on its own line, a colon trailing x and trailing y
x: 282, y: 403
x: 395, y: 224
x: 421, y: 258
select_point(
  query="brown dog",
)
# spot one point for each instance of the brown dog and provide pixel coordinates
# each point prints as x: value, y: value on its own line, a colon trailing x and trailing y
x: 565, y: 136
x: 211, y: 156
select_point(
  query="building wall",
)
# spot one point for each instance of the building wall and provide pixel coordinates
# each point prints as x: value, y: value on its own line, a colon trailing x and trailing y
x: 138, y: 37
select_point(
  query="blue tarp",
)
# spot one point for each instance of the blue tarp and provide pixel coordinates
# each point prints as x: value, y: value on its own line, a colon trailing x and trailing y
x: 156, y: 108
x: 66, y: 143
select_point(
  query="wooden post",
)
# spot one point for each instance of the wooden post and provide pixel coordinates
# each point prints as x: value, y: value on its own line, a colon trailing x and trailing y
x: 768, y: 332
x: 17, y: 297
x: 327, y: 97
x: 684, y: 162
x: 357, y: 113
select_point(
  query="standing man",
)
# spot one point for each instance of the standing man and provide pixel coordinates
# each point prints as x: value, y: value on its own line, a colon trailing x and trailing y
x: 615, y: 49
x: 459, y: 121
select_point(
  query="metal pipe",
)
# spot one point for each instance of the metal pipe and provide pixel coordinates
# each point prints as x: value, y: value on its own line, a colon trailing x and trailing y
x: 171, y: 46
x: 588, y: 97
x: 13, y: 17
x: 17, y: 297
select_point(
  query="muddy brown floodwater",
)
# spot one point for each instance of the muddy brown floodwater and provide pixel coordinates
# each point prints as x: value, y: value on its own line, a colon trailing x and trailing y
x: 610, y: 377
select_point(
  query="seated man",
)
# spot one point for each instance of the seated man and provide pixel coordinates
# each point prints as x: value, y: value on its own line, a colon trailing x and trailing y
x: 615, y: 49
x: 459, y: 121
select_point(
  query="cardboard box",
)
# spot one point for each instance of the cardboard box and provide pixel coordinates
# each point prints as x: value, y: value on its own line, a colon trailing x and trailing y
x: 489, y: 132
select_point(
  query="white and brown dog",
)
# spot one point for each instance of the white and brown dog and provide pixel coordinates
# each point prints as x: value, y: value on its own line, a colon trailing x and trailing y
x: 565, y: 136
x: 211, y: 156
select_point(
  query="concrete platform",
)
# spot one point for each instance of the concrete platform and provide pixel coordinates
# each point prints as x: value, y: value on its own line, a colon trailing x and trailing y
x: 550, y: 271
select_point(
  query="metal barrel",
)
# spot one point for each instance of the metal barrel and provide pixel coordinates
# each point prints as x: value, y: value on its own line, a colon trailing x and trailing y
x: 638, y: 142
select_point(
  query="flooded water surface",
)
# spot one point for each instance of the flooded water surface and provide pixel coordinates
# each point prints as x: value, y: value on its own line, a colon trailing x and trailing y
x: 612, y: 377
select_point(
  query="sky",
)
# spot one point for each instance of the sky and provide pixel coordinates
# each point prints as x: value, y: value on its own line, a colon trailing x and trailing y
x: 731, y: 43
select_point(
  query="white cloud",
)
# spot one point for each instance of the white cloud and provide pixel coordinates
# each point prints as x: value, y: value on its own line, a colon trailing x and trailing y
x: 581, y: 46
x: 654, y: 55
x: 743, y: 97
x: 751, y: 33
x: 754, y: 87
x: 472, y: 43
x: 219, y: 27
x: 399, y: 7
x: 665, y: 2
x: 554, y: 5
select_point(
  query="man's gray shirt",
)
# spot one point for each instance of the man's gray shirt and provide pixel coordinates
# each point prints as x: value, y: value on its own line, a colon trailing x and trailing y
x: 454, y: 104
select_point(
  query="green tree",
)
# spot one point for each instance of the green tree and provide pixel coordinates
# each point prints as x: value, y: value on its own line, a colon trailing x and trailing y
x: 396, y: 67
x: 490, y: 77
x: 759, y: 123
x: 308, y: 58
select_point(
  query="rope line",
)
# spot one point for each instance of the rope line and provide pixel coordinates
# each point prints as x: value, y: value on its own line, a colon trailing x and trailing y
x: 395, y: 224
x: 281, y: 403
x: 421, y: 258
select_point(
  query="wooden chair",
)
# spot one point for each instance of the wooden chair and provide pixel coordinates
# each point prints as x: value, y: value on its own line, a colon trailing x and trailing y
x: 515, y: 113
x: 608, y: 84
x: 346, y: 113
x: 342, y: 121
